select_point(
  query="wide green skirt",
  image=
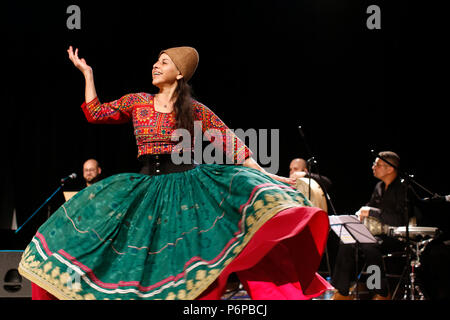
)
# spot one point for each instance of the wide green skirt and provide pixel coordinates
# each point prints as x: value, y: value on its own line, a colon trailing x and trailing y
x: 134, y: 236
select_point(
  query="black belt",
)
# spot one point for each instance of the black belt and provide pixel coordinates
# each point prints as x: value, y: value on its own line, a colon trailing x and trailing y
x: 157, y: 164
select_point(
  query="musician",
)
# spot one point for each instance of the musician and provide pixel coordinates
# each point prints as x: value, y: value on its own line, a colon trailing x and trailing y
x: 387, y: 204
x: 91, y: 171
x: 298, y: 169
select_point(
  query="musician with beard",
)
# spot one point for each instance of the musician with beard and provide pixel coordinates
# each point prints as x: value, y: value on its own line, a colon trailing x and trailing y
x: 91, y: 172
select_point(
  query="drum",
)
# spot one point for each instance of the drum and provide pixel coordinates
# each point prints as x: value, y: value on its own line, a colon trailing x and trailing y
x: 415, y: 232
x: 317, y: 196
x: 376, y: 227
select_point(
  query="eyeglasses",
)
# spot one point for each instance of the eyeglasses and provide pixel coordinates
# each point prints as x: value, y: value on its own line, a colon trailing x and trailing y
x: 379, y: 165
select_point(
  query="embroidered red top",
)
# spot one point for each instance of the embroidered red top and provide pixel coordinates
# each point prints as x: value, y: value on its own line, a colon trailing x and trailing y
x: 154, y: 129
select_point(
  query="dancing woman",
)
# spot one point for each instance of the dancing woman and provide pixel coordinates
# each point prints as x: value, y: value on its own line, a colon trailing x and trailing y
x: 177, y: 231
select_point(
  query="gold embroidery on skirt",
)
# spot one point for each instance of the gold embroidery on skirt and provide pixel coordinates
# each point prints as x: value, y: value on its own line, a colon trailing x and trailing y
x: 51, y: 279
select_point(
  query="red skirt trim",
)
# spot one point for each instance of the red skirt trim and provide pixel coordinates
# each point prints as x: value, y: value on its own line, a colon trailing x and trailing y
x: 281, y: 260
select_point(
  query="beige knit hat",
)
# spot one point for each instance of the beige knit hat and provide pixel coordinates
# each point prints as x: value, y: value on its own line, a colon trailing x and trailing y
x: 185, y: 59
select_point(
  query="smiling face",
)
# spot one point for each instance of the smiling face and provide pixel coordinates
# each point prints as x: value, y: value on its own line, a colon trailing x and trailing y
x: 165, y: 71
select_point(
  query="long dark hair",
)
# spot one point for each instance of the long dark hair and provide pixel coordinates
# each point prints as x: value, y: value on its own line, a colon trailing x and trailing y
x: 184, y: 114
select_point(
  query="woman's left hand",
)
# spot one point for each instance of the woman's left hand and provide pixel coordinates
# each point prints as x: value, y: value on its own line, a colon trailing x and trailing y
x: 250, y: 163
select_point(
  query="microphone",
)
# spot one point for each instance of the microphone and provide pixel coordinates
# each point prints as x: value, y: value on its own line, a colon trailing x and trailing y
x: 437, y: 198
x: 71, y: 176
x: 311, y: 160
x: 301, y: 132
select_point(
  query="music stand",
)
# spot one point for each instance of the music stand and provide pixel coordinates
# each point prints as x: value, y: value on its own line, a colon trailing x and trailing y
x: 350, y: 230
x: 69, y: 194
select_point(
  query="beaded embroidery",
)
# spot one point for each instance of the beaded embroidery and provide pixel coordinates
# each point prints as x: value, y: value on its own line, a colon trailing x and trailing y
x: 153, y: 130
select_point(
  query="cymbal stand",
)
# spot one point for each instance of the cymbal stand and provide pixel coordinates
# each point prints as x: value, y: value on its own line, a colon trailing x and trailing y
x: 412, y: 290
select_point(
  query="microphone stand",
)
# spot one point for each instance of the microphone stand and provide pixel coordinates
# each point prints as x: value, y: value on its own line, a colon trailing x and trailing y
x: 312, y: 159
x: 42, y: 205
x: 407, y: 180
x: 308, y: 166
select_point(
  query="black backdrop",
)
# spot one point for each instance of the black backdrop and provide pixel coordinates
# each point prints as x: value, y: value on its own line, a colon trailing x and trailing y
x: 263, y: 64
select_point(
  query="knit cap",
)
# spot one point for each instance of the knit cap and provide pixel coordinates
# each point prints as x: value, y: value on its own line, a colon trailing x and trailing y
x: 185, y: 59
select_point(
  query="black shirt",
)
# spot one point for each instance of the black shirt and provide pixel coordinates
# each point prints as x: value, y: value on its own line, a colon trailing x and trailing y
x: 389, y: 205
x: 323, y: 181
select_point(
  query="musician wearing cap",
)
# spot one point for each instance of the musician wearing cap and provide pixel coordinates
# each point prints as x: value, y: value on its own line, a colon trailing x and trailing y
x: 387, y: 200
x: 386, y: 205
x: 177, y: 230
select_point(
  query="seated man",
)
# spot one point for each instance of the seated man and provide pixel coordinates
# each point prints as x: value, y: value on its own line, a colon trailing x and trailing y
x: 316, y: 194
x: 299, y: 169
x: 91, y: 174
x: 91, y: 171
x: 387, y: 204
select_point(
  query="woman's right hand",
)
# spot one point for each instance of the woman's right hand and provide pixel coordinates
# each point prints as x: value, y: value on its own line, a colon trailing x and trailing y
x: 89, y: 93
x: 79, y: 63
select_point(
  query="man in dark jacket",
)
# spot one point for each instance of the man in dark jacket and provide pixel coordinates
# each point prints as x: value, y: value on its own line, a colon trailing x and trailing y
x: 387, y: 204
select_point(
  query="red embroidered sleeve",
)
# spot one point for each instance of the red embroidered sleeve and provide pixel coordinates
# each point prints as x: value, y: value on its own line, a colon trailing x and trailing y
x: 232, y: 146
x: 118, y: 111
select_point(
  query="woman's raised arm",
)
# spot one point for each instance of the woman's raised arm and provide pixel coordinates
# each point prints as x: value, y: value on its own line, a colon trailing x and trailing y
x: 80, y: 64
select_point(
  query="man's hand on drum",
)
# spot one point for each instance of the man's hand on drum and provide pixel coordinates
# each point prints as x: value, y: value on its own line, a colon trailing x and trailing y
x: 363, y: 212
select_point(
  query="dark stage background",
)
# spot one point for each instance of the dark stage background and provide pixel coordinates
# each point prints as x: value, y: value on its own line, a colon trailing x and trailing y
x: 263, y: 64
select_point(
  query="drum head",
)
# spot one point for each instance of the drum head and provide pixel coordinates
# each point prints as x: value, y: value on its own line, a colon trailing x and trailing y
x: 317, y: 196
x: 374, y: 225
x: 416, y: 232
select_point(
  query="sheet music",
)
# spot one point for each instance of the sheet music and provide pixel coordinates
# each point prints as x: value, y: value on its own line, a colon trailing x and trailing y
x: 342, y: 233
x: 350, y: 230
x: 69, y: 194
x: 343, y: 219
x: 360, y: 233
